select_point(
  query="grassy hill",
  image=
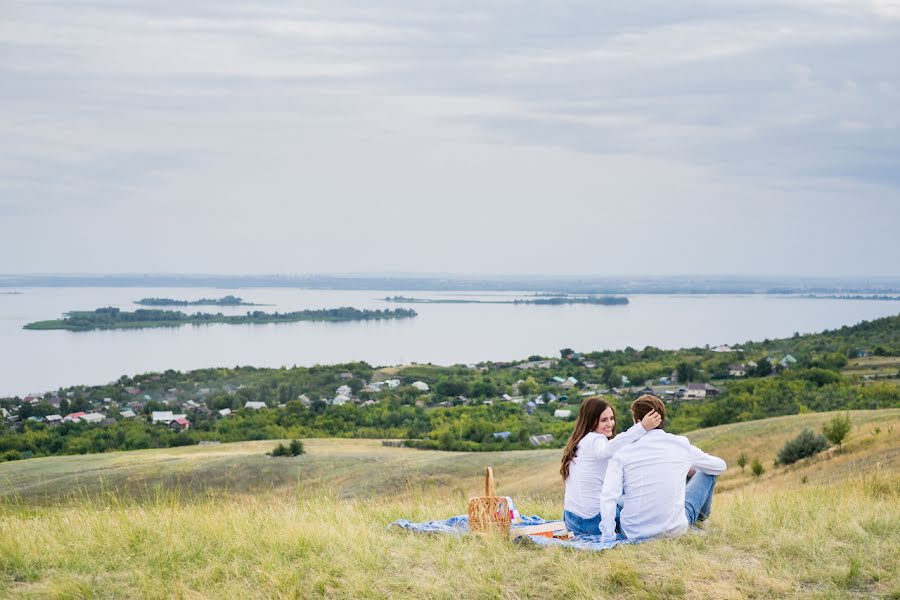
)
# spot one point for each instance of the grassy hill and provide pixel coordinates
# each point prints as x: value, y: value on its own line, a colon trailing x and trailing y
x: 229, y: 521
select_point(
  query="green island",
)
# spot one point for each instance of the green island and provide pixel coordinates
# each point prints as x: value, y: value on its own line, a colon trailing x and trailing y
x: 555, y: 300
x: 223, y: 301
x: 114, y: 318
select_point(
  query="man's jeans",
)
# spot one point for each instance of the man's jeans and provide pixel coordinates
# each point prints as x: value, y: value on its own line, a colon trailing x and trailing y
x: 698, y: 497
x: 581, y: 526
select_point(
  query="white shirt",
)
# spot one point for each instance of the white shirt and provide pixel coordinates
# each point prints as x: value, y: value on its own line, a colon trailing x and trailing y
x: 587, y: 469
x: 650, y: 478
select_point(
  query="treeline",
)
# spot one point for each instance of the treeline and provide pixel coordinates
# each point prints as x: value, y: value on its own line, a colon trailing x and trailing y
x: 223, y: 301
x: 114, y: 318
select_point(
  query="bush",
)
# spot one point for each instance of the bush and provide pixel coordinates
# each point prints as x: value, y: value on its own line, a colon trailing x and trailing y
x: 805, y: 444
x: 836, y: 430
x: 295, y: 448
x: 742, y: 461
x: 756, y: 468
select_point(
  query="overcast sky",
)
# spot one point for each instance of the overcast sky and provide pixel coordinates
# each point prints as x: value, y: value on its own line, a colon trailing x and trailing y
x: 467, y: 137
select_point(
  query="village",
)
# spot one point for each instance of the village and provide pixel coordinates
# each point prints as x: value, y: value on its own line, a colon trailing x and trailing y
x: 178, y: 408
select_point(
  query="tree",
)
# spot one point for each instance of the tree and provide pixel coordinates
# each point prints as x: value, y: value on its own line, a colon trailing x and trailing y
x: 610, y: 378
x: 762, y: 368
x: 756, y: 468
x: 742, y: 461
x: 685, y: 372
x: 836, y: 430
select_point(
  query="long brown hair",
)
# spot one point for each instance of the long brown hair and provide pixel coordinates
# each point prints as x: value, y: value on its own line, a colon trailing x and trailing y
x: 588, y: 418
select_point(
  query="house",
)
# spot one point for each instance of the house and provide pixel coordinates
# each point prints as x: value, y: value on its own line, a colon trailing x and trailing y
x: 225, y: 412
x: 370, y: 390
x: 723, y: 348
x: 517, y: 399
x: 540, y: 440
x: 93, y: 418
x: 73, y: 417
x: 108, y: 421
x: 737, y: 370
x: 589, y: 364
x: 502, y: 435
x: 344, y: 390
x: 133, y: 391
x: 127, y: 414
x: 536, y: 364
x: 53, y: 420
x: 255, y: 405
x: 557, y: 380
x: 179, y: 424
x: 568, y: 383
x: 369, y: 403
x: 530, y: 406
x: 192, y: 405
x: 162, y: 416
x: 787, y: 361
x: 751, y: 364
x: 695, y: 391
x: 304, y: 400
x: 647, y: 390
x: 562, y: 413
x: 505, y: 397
x: 340, y: 399
x: 420, y: 385
x: 392, y: 383
x: 3, y: 412
x: 345, y: 376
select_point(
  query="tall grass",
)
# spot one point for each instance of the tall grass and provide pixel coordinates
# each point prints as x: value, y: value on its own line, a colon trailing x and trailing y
x: 837, y: 540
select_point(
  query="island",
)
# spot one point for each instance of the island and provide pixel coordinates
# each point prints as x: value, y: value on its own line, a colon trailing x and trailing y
x: 539, y: 301
x: 114, y: 318
x: 223, y: 301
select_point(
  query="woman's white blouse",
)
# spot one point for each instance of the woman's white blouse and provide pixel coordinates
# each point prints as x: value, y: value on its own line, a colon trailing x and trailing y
x: 588, y: 468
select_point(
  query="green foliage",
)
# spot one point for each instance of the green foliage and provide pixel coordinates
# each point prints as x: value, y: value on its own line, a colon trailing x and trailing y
x: 836, y: 430
x: 742, y: 461
x: 756, y: 468
x: 804, y: 445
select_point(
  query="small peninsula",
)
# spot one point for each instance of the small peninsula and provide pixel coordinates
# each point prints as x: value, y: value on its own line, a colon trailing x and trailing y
x: 541, y: 301
x: 223, y: 301
x: 114, y: 318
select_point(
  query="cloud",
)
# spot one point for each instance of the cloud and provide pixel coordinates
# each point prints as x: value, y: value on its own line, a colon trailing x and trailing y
x: 493, y: 126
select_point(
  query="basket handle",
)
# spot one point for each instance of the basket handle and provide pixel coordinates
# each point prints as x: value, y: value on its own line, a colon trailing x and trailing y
x: 488, y: 481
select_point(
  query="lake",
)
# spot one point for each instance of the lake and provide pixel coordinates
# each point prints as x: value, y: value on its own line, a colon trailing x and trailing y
x: 38, y: 361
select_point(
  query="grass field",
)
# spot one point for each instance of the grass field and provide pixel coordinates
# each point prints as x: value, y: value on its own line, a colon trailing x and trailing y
x: 876, y: 367
x: 227, y: 522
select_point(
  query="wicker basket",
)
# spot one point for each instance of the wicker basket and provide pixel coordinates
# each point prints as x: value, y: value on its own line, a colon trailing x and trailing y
x: 489, y: 513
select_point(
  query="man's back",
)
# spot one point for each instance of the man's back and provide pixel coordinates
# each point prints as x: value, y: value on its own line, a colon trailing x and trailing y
x: 650, y: 475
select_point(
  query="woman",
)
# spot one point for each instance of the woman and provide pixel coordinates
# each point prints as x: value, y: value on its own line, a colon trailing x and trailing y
x: 586, y: 456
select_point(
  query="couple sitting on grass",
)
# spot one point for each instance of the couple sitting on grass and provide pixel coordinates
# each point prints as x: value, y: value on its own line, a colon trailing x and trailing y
x: 633, y: 485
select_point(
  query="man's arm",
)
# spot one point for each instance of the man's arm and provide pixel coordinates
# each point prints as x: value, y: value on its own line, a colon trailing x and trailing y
x: 612, y: 489
x: 707, y: 463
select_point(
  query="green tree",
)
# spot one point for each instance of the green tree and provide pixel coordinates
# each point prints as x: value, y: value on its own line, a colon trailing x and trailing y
x: 756, y: 468
x: 295, y: 448
x: 742, y: 461
x: 685, y: 372
x: 836, y: 430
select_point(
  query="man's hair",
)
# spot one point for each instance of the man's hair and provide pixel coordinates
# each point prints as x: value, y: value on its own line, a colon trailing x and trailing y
x: 645, y: 404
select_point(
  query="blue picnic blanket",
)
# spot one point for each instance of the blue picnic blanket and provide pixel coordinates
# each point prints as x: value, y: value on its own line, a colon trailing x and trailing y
x: 460, y: 525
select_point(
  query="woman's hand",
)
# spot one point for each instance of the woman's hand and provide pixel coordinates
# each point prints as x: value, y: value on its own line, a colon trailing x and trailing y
x: 651, y: 420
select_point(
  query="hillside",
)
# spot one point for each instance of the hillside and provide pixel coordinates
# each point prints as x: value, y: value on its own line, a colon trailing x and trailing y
x: 228, y: 521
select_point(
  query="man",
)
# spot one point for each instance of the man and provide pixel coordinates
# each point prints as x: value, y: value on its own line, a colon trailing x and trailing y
x: 649, y: 475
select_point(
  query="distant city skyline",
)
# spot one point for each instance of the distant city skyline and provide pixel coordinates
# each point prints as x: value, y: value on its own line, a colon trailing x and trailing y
x: 585, y: 139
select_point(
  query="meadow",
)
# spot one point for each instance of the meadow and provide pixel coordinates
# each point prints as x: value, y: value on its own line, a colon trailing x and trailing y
x: 229, y: 521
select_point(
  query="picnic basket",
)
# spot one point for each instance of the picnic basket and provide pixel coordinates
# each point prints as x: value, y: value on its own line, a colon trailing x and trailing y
x: 489, y: 513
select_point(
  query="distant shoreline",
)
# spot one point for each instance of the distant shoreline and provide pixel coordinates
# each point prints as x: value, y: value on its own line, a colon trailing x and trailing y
x: 590, y: 285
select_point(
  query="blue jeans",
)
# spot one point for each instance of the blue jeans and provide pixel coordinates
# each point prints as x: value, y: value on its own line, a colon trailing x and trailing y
x: 698, y: 497
x: 581, y: 526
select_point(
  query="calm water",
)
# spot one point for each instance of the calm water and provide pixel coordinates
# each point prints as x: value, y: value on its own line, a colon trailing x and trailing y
x: 36, y: 361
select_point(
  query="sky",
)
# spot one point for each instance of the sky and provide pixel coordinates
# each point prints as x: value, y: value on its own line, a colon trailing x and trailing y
x: 470, y: 137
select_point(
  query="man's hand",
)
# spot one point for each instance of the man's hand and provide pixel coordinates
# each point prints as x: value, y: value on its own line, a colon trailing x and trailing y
x: 651, y: 420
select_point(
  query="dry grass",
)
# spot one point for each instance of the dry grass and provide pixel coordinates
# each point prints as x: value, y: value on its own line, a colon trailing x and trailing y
x: 320, y: 531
